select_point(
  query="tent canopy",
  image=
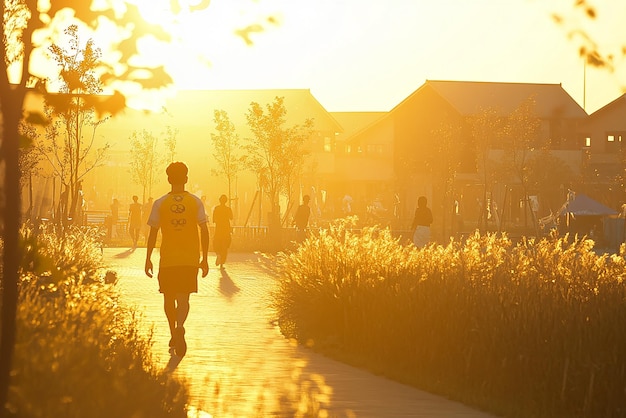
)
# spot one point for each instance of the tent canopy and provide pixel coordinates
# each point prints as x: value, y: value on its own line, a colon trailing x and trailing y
x: 582, y: 205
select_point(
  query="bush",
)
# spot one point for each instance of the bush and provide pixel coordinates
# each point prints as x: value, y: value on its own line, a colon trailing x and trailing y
x: 78, y: 351
x: 532, y: 329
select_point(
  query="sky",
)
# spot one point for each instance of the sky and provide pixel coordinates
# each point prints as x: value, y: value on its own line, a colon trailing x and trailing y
x: 369, y: 55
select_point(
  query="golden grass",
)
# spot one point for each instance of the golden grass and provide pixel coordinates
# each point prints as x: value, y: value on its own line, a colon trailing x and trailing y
x: 536, y: 328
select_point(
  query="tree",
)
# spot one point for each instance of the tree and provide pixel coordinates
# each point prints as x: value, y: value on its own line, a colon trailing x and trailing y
x: 444, y: 162
x: 520, y: 140
x: 275, y: 153
x: 549, y: 177
x: 170, y: 135
x: 225, y: 145
x: 143, y: 160
x: 29, y: 159
x: 146, y: 158
x: 70, y: 147
x: 486, y: 127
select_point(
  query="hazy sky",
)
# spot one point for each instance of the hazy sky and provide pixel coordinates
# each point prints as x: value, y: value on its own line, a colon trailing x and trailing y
x: 366, y: 55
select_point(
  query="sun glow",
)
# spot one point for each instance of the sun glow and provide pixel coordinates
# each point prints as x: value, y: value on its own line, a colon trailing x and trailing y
x: 203, y: 35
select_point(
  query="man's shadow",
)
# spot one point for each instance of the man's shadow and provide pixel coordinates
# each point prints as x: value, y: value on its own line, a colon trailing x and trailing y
x: 173, y: 363
x: 125, y: 253
x: 228, y: 288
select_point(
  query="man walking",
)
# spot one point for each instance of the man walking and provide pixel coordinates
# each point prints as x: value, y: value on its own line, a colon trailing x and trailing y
x: 134, y: 220
x: 178, y: 214
x: 301, y: 220
x: 222, y: 215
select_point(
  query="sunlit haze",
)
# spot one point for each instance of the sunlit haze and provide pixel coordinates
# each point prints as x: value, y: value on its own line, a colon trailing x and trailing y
x: 369, y: 55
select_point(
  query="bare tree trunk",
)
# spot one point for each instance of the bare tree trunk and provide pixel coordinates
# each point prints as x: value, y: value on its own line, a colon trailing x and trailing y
x: 11, y: 111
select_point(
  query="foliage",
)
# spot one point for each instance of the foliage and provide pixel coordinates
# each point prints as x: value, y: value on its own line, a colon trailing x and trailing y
x: 546, y: 175
x: 225, y: 145
x: 28, y: 156
x: 78, y: 350
x: 487, y: 128
x: 589, y: 48
x: 146, y: 158
x: 69, y: 149
x: 14, y: 20
x: 275, y: 153
x: 527, y: 329
x: 444, y: 163
x: 170, y: 135
x: 520, y: 139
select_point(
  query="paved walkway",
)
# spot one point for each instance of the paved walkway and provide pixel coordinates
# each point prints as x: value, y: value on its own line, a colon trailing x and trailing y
x: 238, y: 364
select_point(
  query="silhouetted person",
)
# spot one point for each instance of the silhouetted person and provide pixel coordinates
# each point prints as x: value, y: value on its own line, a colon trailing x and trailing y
x: 301, y: 219
x: 421, y: 223
x: 222, y: 215
x: 115, y: 215
x: 179, y: 215
x: 134, y: 220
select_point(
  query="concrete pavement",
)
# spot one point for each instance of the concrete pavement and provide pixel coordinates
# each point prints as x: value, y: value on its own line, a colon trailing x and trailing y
x: 239, y: 365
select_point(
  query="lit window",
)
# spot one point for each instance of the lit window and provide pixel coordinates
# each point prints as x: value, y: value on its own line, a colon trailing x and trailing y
x: 587, y: 142
x: 327, y: 144
x: 614, y: 141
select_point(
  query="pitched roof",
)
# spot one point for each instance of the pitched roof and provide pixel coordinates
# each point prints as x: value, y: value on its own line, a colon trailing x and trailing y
x: 353, y: 122
x: 195, y: 108
x: 620, y: 101
x: 300, y: 104
x: 470, y: 97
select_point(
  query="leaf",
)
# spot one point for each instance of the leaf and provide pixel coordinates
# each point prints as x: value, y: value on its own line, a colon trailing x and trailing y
x: 104, y: 105
x: 36, y: 118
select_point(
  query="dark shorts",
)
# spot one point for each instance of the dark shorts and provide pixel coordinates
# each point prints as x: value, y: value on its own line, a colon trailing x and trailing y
x: 179, y: 279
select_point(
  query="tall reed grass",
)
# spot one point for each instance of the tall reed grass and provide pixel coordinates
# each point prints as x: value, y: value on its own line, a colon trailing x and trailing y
x: 536, y: 328
x: 78, y: 351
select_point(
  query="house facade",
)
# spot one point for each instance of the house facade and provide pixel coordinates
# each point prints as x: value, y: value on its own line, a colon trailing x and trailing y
x: 604, y: 135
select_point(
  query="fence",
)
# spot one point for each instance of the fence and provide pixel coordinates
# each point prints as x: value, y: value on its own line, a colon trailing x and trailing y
x: 244, y: 238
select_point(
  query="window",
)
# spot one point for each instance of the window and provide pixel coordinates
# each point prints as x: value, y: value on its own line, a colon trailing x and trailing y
x: 328, y: 145
x: 614, y: 141
x: 375, y: 149
x: 587, y: 141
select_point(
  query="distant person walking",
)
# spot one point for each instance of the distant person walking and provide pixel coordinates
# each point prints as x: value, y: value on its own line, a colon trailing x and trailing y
x: 115, y: 216
x: 301, y: 219
x: 222, y: 215
x: 421, y: 223
x: 178, y: 214
x: 134, y: 220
